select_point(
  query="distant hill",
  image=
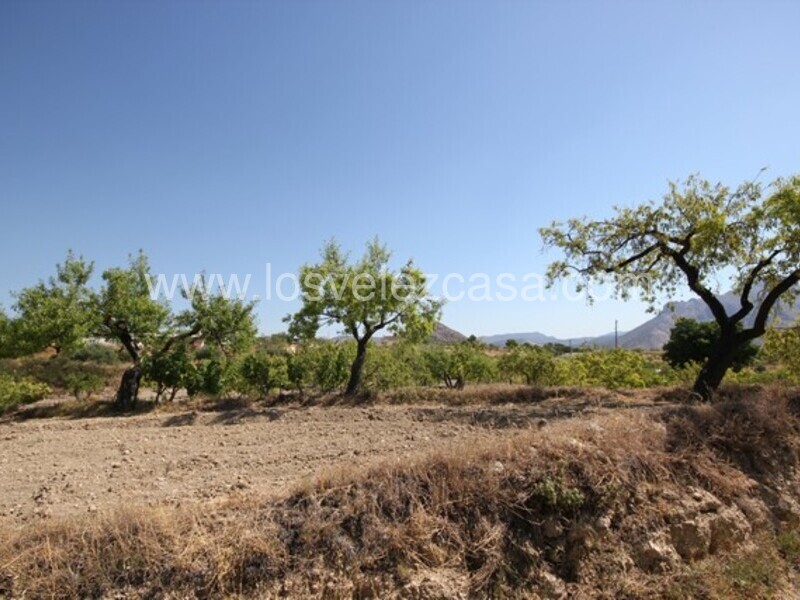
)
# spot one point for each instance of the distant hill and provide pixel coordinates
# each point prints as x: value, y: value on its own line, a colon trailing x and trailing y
x: 442, y: 334
x: 540, y: 339
x: 446, y: 335
x: 652, y: 334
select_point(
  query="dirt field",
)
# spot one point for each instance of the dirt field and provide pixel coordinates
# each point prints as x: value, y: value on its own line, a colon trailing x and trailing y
x: 67, y: 466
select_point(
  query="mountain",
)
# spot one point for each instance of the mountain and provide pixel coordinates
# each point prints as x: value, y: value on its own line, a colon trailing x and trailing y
x: 654, y: 333
x: 442, y: 334
x: 445, y: 335
x: 540, y: 339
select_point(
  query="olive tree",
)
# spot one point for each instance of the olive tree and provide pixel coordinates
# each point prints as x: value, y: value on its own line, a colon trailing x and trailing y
x: 364, y: 297
x: 696, y: 234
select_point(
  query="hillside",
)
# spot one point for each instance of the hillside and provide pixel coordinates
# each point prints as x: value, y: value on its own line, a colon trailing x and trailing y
x: 623, y: 499
x: 652, y: 334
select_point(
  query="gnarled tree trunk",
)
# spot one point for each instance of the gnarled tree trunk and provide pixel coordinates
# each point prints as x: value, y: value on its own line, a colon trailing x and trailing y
x: 716, y: 366
x: 128, y: 391
x: 357, y: 368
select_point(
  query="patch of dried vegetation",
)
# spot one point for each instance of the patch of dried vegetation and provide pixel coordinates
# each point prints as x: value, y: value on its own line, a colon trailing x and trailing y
x: 625, y: 505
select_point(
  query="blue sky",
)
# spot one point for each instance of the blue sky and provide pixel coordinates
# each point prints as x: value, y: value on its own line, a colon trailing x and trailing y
x: 225, y: 135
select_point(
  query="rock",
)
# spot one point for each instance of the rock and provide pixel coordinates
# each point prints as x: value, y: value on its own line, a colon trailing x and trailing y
x: 754, y: 510
x: 498, y: 467
x: 603, y: 524
x: 655, y: 555
x: 787, y: 510
x: 551, y: 528
x: 728, y: 529
x: 705, y: 502
x: 551, y: 586
x: 692, y: 538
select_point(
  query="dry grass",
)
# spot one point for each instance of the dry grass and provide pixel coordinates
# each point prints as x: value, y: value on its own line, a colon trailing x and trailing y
x: 489, y: 521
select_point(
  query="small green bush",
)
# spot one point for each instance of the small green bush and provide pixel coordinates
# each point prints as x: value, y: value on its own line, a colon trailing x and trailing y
x: 15, y: 392
x: 96, y: 353
x: 83, y: 385
x: 260, y: 373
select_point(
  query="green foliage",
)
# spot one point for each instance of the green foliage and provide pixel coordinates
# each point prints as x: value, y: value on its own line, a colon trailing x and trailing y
x: 364, y: 297
x: 125, y: 306
x: 169, y: 371
x: 55, y: 314
x: 56, y: 372
x: 331, y: 364
x: 17, y: 391
x: 392, y: 366
x: 82, y: 384
x: 7, y: 337
x: 783, y: 347
x: 95, y: 353
x: 534, y: 365
x: 559, y: 496
x: 458, y: 364
x: 226, y: 324
x: 211, y: 377
x: 692, y: 341
x: 696, y: 234
x: 261, y: 373
x: 618, y: 368
x: 711, y: 227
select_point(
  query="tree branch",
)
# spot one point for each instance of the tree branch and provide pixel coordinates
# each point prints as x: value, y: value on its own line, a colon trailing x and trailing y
x: 744, y: 298
x: 760, y: 324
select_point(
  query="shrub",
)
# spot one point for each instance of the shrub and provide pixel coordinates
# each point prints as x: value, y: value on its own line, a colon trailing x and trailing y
x: 57, y: 372
x: 783, y: 347
x: 207, y: 377
x: 396, y: 366
x: 168, y: 372
x: 97, y: 353
x: 534, y: 365
x: 459, y: 364
x: 83, y: 385
x: 260, y: 373
x: 616, y: 368
x: 692, y: 341
x: 14, y: 392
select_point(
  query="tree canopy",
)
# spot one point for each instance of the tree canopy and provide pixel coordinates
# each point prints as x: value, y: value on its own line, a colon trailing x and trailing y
x: 55, y: 313
x: 696, y: 235
x: 363, y: 297
x: 693, y: 341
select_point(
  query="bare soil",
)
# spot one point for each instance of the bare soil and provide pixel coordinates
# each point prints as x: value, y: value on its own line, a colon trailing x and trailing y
x: 62, y: 466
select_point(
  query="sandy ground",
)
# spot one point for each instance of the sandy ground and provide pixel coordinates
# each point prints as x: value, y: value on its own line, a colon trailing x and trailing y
x: 63, y: 466
x: 58, y: 466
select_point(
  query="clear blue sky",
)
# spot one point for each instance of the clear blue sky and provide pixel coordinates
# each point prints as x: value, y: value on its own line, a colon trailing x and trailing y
x: 224, y: 135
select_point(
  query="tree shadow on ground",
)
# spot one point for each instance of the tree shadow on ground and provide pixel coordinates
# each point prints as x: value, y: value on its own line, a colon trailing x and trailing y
x: 77, y: 409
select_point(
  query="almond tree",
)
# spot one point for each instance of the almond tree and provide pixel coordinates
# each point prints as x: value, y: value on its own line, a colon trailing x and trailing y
x: 55, y: 313
x: 697, y: 234
x: 127, y: 313
x: 364, y: 298
x: 145, y: 326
